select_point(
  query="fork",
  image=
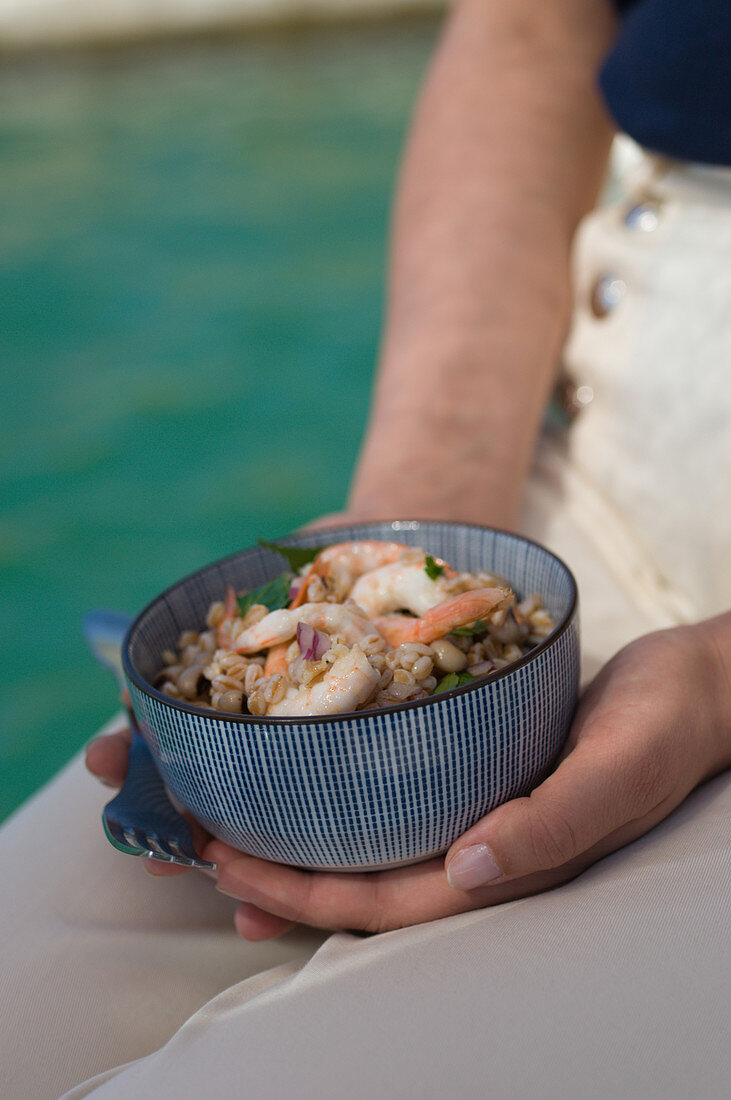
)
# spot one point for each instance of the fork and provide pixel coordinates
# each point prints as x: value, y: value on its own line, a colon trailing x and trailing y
x: 140, y: 820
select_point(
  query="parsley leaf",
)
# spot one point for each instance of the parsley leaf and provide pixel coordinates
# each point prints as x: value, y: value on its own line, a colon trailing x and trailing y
x: 431, y: 568
x: 272, y: 594
x: 453, y: 680
x: 296, y: 556
x: 469, y: 631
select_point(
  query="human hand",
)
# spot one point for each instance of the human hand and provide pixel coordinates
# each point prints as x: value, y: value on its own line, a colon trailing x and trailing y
x: 651, y: 727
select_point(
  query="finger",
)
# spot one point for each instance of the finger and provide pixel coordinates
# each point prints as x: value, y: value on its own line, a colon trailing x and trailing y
x: 106, y: 757
x: 159, y: 869
x: 373, y: 902
x: 255, y: 924
x: 540, y: 881
x: 593, y: 793
x: 200, y: 836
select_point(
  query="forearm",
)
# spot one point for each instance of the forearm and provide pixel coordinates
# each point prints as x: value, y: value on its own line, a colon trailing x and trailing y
x: 507, y: 151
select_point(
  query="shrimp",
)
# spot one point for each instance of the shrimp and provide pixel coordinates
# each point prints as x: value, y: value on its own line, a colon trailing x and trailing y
x: 343, y: 562
x: 230, y: 611
x: 350, y: 681
x: 402, y: 585
x: 456, y: 611
x: 281, y: 626
x: 277, y: 659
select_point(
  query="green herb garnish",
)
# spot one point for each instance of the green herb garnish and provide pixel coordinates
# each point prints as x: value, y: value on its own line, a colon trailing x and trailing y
x: 469, y: 631
x: 431, y: 568
x: 296, y: 556
x: 273, y: 594
x: 453, y: 680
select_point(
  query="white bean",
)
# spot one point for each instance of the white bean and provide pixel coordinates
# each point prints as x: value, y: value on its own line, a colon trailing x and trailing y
x: 229, y: 701
x: 447, y: 657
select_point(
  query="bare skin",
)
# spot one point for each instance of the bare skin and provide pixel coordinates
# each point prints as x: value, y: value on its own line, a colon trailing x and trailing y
x: 507, y: 152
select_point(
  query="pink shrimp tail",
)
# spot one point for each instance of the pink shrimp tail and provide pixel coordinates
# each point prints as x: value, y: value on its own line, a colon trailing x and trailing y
x: 468, y: 607
x: 230, y: 605
x: 276, y: 659
x: 230, y: 610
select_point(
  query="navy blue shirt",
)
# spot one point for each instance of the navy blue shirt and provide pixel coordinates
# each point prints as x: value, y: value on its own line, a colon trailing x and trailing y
x: 667, y: 79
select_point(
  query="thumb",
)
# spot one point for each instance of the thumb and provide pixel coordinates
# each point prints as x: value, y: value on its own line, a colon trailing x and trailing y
x: 586, y: 799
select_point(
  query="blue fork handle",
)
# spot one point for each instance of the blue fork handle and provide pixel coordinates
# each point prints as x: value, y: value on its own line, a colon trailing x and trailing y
x: 144, y: 794
x: 144, y: 802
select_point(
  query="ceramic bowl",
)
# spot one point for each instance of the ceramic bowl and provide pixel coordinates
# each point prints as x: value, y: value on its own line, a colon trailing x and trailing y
x: 373, y: 789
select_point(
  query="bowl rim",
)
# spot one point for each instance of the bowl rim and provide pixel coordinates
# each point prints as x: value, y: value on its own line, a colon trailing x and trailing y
x: 249, y: 720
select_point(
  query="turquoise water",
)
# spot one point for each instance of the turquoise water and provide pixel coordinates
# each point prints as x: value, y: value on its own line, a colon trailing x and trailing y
x: 192, y: 248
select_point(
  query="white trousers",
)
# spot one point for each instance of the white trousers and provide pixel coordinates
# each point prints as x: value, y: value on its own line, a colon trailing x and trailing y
x: 614, y: 985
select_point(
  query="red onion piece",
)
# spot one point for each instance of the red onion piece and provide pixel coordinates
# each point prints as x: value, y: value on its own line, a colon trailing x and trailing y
x: 295, y: 587
x: 481, y: 669
x: 313, y: 643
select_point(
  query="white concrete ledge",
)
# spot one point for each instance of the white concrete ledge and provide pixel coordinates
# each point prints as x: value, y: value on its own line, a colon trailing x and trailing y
x: 31, y: 23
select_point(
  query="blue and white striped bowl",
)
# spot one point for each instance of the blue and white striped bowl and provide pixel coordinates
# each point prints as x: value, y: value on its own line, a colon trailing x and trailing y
x: 374, y: 789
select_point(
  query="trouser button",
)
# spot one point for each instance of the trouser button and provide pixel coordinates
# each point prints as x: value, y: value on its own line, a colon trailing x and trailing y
x: 643, y: 217
x: 606, y: 294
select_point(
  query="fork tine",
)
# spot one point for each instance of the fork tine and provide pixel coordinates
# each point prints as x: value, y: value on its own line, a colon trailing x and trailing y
x: 165, y: 850
x: 182, y: 853
x: 141, y: 820
x: 174, y: 850
x: 140, y: 842
x: 114, y: 829
x: 123, y: 835
x: 123, y: 838
x: 175, y: 846
x: 136, y: 838
x: 155, y: 844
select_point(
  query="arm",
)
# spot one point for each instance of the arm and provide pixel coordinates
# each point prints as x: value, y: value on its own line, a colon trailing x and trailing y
x: 508, y: 149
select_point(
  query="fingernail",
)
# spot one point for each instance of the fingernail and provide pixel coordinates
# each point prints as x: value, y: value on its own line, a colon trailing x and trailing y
x: 472, y: 867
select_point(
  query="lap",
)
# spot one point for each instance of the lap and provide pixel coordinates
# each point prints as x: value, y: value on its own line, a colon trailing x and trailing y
x: 613, y: 985
x: 102, y: 962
